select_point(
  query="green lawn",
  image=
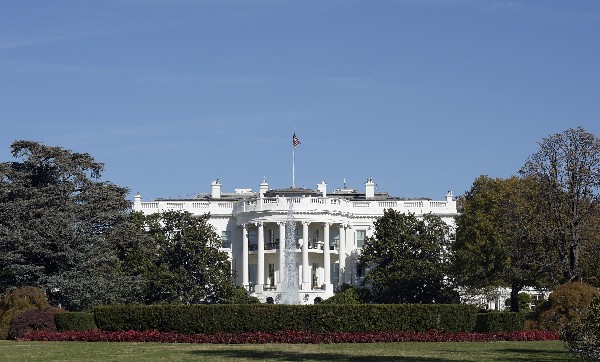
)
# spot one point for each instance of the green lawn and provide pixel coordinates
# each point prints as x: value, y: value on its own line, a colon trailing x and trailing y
x: 138, y: 352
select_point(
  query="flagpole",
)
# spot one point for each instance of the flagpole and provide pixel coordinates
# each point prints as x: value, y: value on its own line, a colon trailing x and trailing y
x: 295, y: 142
x: 293, y: 163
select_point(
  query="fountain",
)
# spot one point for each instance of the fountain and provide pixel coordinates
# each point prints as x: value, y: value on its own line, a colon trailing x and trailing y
x: 290, y: 282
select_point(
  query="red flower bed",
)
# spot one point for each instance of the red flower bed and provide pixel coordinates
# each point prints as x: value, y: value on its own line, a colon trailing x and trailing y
x: 287, y: 337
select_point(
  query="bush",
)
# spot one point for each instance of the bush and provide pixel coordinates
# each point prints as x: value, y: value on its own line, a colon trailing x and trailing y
x: 241, y: 296
x: 524, y: 302
x: 583, y: 339
x: 568, y: 303
x: 272, y: 318
x: 32, y: 320
x: 75, y: 321
x: 499, y: 322
x: 350, y: 295
x: 17, y: 300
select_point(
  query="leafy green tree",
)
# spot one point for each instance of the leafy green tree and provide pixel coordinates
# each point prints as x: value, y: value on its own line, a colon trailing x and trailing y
x: 500, y: 240
x: 55, y: 217
x: 178, y: 256
x: 567, y: 168
x: 407, y: 259
x: 590, y: 249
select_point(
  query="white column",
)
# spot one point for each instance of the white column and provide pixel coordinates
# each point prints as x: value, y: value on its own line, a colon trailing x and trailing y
x: 326, y: 258
x: 261, y: 257
x: 342, y: 254
x: 349, y: 240
x: 281, y: 254
x: 305, y: 267
x: 244, y: 256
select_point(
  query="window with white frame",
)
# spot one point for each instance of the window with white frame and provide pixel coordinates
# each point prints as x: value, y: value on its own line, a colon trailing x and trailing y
x: 252, y: 240
x: 226, y: 239
x: 360, y: 238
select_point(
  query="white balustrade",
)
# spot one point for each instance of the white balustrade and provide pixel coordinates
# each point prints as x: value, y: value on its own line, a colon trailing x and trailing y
x: 372, y: 208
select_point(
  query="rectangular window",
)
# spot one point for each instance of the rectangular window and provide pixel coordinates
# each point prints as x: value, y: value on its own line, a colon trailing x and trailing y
x: 252, y: 275
x: 334, y: 240
x: 226, y: 239
x: 360, y: 275
x: 360, y: 238
x: 252, y: 240
x: 272, y: 275
x: 335, y: 274
x: 315, y: 279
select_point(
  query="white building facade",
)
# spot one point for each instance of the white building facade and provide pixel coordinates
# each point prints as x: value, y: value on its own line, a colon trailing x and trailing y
x: 331, y: 228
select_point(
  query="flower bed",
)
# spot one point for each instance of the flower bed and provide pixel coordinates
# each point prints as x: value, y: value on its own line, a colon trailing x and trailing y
x: 288, y: 337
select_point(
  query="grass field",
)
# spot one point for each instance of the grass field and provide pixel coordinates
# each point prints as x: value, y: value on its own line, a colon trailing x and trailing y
x: 386, y: 352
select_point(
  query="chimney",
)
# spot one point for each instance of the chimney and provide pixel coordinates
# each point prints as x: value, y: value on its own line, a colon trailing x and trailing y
x: 449, y: 197
x: 137, y: 202
x: 369, y: 188
x: 263, y: 187
x: 322, y: 187
x: 216, y: 189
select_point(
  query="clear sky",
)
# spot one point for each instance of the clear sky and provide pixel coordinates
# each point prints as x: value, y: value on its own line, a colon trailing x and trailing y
x: 422, y: 96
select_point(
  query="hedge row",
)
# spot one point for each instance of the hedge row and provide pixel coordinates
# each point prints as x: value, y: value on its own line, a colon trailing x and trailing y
x: 499, y: 322
x: 274, y: 318
x: 74, y: 321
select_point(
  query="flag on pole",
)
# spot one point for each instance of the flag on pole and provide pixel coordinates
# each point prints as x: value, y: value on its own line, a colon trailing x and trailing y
x: 295, y: 140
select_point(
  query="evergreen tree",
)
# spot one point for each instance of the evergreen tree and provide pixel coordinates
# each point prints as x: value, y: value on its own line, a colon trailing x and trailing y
x: 55, y: 220
x: 407, y: 259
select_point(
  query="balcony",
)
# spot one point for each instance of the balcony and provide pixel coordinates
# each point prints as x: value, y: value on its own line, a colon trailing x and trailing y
x: 342, y: 206
x: 281, y: 205
x: 314, y: 245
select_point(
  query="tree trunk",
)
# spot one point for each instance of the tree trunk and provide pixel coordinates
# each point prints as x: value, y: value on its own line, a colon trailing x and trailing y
x: 514, y: 297
x: 574, y: 263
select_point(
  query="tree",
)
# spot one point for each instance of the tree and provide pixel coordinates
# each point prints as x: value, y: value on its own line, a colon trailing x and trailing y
x: 567, y: 168
x: 178, y: 256
x: 499, y: 237
x: 590, y: 249
x: 55, y: 217
x: 407, y: 259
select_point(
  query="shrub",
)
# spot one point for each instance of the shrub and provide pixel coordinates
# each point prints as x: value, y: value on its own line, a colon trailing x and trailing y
x: 583, y: 339
x: 75, y: 321
x: 17, y: 300
x: 241, y: 296
x: 272, y: 318
x: 350, y: 295
x: 524, y: 302
x: 568, y: 303
x: 32, y: 320
x: 499, y: 322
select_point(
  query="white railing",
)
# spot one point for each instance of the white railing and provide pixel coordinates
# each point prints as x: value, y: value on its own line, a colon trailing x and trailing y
x: 149, y: 205
x: 301, y: 204
x: 388, y: 204
x: 175, y: 205
x: 201, y: 205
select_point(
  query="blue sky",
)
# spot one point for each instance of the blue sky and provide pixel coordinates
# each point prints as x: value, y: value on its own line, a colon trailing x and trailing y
x: 422, y: 96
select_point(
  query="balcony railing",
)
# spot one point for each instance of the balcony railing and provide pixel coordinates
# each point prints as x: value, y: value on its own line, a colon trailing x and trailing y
x: 300, y: 204
x: 330, y: 204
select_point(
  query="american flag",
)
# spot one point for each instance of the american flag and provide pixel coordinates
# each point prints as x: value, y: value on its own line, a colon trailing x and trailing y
x: 295, y: 140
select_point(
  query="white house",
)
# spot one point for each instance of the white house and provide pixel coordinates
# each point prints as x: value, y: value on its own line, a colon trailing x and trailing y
x: 331, y: 228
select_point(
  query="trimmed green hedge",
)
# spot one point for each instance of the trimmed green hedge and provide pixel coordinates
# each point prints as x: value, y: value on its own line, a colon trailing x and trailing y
x: 500, y: 322
x: 272, y: 318
x: 74, y: 321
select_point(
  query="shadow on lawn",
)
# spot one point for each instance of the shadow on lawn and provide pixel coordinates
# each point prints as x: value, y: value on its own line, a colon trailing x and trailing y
x: 295, y: 356
x: 536, y: 355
